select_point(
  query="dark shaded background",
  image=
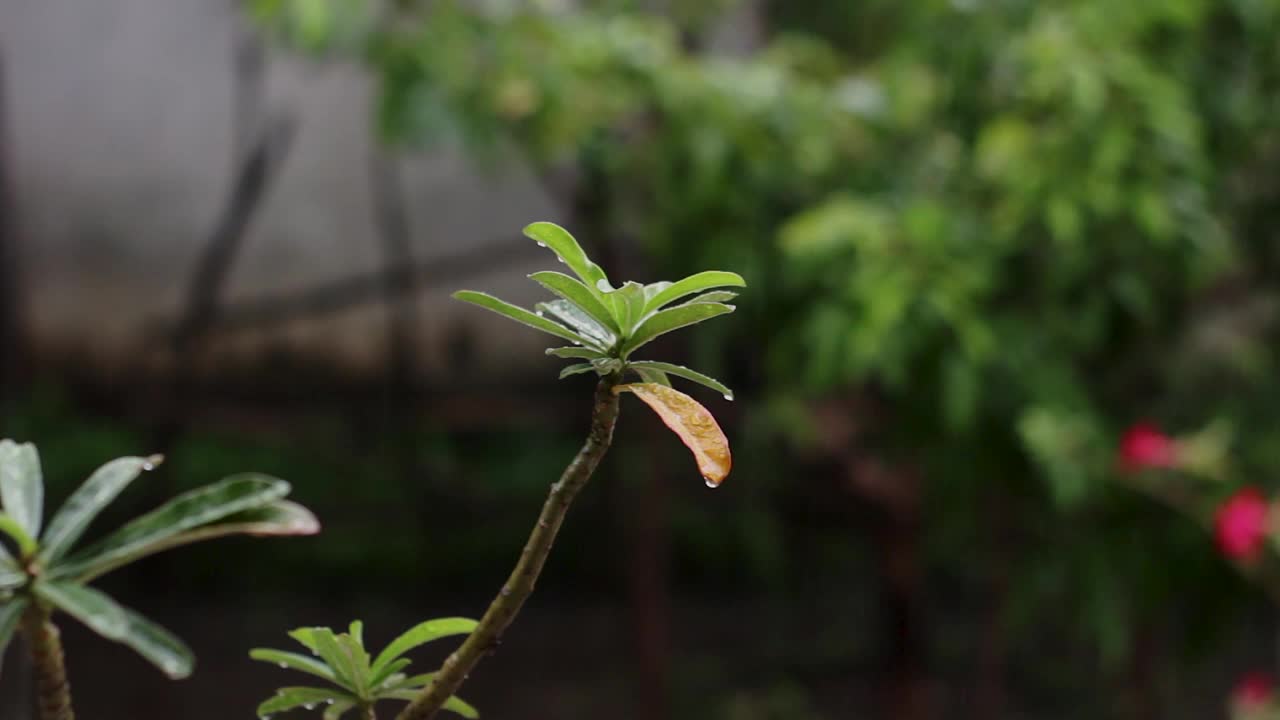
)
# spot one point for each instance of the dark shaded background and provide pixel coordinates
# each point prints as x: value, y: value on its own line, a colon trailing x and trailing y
x: 231, y: 239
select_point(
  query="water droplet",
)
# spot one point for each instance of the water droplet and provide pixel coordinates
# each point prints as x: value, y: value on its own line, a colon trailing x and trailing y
x: 711, y: 483
x: 148, y: 466
x: 603, y: 285
x: 560, y: 260
x: 729, y: 398
x: 538, y: 313
x: 575, y: 342
x: 541, y: 244
x: 309, y: 706
x: 283, y: 665
x: 329, y: 701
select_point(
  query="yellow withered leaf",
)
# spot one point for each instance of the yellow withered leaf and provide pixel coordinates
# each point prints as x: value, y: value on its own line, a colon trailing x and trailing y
x: 693, y: 423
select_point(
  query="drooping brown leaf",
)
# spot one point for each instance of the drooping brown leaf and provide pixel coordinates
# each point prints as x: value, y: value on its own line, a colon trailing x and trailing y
x: 693, y: 423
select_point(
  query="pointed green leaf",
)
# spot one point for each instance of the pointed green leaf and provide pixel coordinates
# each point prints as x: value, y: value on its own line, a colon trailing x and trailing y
x: 421, y: 634
x: 301, y: 663
x: 577, y: 318
x: 664, y: 321
x: 10, y: 614
x: 653, y: 376
x: 11, y: 578
x: 575, y: 292
x: 107, y: 618
x: 416, y: 682
x: 27, y: 545
x: 563, y: 244
x: 360, y: 674
x: 576, y: 352
x: 7, y: 562
x: 453, y: 704
x: 720, y: 296
x: 338, y: 709
x: 288, y: 698
x: 307, y: 637
x: 684, y: 372
x: 160, y: 646
x: 386, y: 677
x: 83, y: 506
x: 694, y: 284
x: 164, y: 527
x: 627, y: 304
x: 336, y: 657
x: 356, y: 630
x: 519, y: 314
x: 22, y: 485
x: 577, y: 369
x: 652, y: 289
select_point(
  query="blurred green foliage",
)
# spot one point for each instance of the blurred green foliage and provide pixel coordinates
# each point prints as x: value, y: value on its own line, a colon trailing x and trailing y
x: 1021, y: 225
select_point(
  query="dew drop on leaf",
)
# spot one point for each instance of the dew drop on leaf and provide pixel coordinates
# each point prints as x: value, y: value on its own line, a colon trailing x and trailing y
x: 309, y: 706
x: 711, y: 483
x: 541, y: 244
x: 729, y: 398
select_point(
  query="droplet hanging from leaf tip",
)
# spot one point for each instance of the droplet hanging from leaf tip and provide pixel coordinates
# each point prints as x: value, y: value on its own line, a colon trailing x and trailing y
x: 711, y: 482
x: 729, y: 397
x: 541, y: 244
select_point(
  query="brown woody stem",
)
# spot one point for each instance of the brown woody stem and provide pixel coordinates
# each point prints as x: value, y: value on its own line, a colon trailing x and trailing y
x: 51, y: 671
x: 502, y: 611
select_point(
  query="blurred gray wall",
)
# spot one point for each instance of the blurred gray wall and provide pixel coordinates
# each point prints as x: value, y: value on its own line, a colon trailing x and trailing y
x: 120, y: 144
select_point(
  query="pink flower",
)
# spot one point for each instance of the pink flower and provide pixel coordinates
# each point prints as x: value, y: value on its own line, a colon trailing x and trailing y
x: 1252, y: 692
x: 1240, y: 525
x: 1144, y: 447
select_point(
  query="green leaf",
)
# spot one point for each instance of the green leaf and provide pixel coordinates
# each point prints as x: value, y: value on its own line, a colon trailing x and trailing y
x: 10, y: 614
x: 385, y: 677
x: 356, y: 630
x: 453, y: 704
x: 83, y: 506
x: 563, y: 244
x: 665, y: 321
x: 684, y: 372
x: 11, y: 578
x: 343, y: 664
x: 421, y: 634
x: 307, y: 637
x: 627, y: 304
x: 654, y: 376
x: 360, y: 673
x: 575, y: 292
x: 519, y: 314
x: 577, y: 369
x: 694, y: 284
x: 164, y: 527
x: 338, y: 709
x: 720, y: 296
x: 576, y: 352
x: 578, y: 319
x: 160, y: 646
x: 288, y: 698
x: 415, y: 682
x: 102, y: 615
x: 301, y: 663
x: 27, y: 545
x: 22, y: 485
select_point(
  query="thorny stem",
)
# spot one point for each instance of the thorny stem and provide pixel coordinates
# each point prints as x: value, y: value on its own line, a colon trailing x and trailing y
x: 51, y: 672
x: 502, y: 611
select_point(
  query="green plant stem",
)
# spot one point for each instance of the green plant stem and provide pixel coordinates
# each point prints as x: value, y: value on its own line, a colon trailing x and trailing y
x: 502, y: 611
x: 51, y: 671
x: 366, y: 712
